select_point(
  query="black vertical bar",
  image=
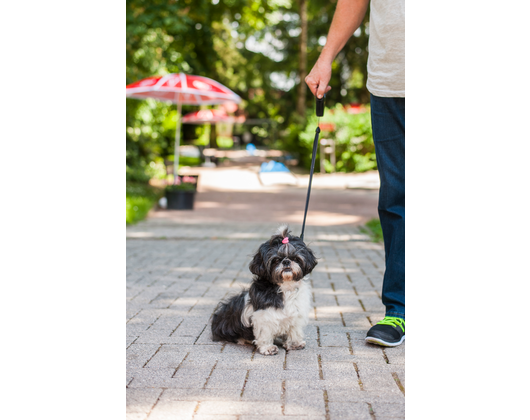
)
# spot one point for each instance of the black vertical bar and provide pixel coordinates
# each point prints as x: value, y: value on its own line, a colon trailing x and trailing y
x: 315, y: 144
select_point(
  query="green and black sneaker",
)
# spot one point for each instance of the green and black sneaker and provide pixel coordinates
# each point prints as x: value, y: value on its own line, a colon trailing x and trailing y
x: 389, y: 332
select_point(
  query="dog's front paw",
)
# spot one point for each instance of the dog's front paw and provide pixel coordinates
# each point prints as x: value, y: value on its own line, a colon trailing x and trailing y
x: 294, y: 346
x: 268, y: 350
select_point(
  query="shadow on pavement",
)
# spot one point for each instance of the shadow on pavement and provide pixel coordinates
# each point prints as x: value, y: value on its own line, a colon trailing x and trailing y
x: 326, y: 207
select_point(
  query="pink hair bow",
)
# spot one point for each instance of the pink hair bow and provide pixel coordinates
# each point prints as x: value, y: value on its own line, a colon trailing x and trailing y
x: 285, y: 241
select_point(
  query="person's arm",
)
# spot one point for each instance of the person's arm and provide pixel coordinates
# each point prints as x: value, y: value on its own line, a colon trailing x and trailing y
x: 347, y: 17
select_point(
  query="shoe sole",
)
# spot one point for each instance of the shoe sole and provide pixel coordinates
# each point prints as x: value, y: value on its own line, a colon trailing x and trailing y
x: 380, y: 342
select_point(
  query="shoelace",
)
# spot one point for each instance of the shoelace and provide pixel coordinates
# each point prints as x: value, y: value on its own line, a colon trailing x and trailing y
x: 393, y: 321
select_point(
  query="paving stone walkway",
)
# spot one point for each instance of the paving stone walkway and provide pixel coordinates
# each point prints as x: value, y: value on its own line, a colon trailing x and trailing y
x: 176, y: 274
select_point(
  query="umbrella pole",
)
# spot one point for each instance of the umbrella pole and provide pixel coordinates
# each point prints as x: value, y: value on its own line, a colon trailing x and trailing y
x: 177, y: 144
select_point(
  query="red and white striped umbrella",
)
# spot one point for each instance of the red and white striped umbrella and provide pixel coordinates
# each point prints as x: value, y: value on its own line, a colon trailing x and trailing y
x: 181, y: 88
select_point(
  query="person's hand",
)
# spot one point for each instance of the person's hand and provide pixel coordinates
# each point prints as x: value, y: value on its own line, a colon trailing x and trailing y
x: 317, y: 80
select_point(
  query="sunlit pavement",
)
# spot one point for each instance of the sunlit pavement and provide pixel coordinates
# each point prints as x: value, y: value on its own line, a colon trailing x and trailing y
x: 181, y: 263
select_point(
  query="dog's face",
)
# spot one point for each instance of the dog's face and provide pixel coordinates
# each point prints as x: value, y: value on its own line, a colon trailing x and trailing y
x: 284, y: 258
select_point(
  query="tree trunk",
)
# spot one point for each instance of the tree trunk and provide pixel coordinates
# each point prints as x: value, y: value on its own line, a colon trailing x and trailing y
x: 302, y: 64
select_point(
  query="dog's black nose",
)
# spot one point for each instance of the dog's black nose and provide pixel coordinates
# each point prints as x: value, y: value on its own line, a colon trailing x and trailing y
x: 286, y: 262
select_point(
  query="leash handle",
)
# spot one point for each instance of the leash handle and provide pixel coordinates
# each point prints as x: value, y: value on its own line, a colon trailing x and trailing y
x: 320, y: 106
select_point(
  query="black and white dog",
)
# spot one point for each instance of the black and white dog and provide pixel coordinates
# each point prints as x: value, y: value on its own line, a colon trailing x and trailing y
x: 277, y: 304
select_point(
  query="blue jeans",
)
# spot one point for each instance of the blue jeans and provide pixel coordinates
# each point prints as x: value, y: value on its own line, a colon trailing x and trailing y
x: 388, y: 127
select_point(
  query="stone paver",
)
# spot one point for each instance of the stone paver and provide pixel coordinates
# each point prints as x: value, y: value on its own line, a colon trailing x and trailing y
x: 177, y: 271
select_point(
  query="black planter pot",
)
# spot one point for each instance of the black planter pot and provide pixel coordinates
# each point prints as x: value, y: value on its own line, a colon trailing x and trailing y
x: 180, y: 200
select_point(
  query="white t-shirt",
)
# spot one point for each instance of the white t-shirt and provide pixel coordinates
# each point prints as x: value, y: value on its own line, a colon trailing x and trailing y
x: 386, y: 49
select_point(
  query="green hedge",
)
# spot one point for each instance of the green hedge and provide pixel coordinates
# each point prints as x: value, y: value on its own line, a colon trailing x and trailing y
x: 140, y: 198
x: 137, y: 208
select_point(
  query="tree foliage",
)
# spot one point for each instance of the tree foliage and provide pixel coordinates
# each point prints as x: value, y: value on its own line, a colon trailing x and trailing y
x: 251, y: 46
x: 352, y: 133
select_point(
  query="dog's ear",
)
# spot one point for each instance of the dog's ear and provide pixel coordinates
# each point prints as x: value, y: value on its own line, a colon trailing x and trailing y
x: 310, y: 261
x: 257, y: 265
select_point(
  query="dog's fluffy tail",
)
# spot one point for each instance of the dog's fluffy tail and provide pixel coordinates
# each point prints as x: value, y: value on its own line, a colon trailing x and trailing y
x: 227, y: 322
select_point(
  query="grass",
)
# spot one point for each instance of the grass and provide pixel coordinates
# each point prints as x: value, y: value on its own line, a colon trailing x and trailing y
x: 140, y: 198
x: 373, y: 229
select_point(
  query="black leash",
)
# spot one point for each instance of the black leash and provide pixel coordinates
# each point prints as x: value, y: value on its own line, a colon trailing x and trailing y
x: 320, y: 113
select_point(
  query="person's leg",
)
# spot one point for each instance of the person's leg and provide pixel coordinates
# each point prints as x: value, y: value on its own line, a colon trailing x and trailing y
x: 388, y: 127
